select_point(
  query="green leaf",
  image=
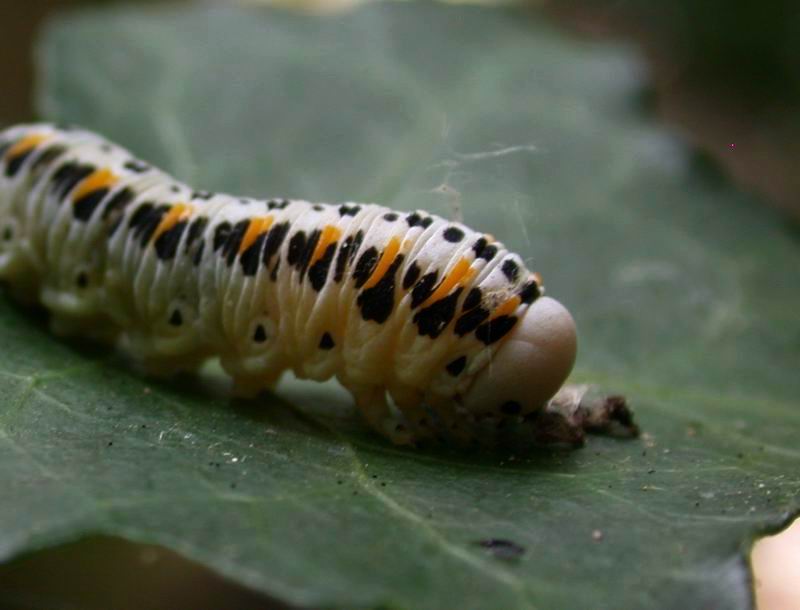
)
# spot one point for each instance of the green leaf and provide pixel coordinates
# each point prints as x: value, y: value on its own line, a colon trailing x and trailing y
x: 685, y: 293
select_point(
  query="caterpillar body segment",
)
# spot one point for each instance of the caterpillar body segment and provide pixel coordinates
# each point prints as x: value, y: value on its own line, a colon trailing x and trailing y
x: 432, y: 326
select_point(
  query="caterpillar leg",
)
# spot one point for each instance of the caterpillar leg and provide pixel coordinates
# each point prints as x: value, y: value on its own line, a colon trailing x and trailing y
x: 23, y: 287
x: 421, y: 423
x: 372, y: 403
x: 410, y: 402
x: 96, y: 328
x: 250, y: 386
x: 163, y: 367
x: 452, y: 423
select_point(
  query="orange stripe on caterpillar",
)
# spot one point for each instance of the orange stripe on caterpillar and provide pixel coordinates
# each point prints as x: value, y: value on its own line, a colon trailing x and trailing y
x: 506, y: 308
x: 461, y: 273
x: 26, y: 144
x: 330, y: 234
x: 178, y: 212
x: 101, y: 178
x: 389, y: 254
x: 256, y: 227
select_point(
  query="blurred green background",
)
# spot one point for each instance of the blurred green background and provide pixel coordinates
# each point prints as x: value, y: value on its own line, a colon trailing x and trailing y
x: 725, y: 74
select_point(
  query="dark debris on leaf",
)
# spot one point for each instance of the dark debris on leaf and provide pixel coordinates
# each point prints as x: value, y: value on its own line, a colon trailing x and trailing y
x: 502, y: 549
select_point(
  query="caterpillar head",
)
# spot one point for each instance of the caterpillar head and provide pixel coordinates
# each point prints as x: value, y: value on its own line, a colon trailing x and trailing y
x: 530, y: 365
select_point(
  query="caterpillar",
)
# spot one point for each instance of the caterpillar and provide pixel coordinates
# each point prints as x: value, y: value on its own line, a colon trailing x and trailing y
x: 435, y: 329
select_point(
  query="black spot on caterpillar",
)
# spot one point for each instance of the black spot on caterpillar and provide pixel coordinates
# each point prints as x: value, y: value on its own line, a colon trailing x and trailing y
x: 457, y: 366
x: 411, y: 298
x: 347, y: 253
x: 249, y: 259
x: 326, y: 342
x: 137, y: 167
x: 453, y: 234
x: 510, y: 270
x: 260, y: 334
x: 376, y: 303
x: 433, y: 319
x: 415, y: 220
x: 473, y: 299
x: 483, y: 250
